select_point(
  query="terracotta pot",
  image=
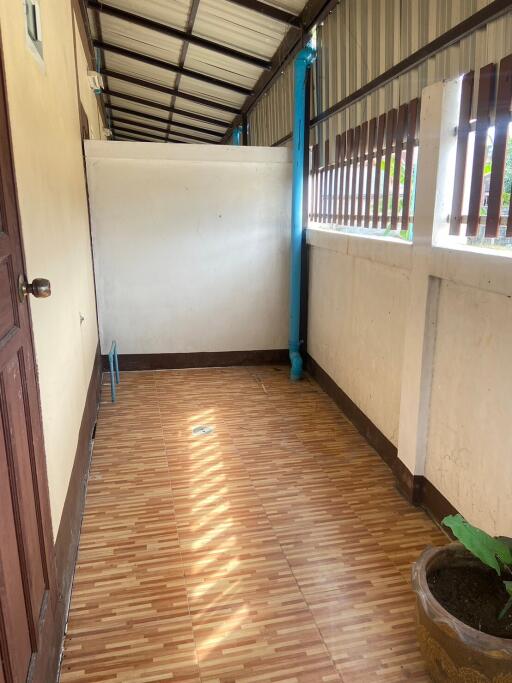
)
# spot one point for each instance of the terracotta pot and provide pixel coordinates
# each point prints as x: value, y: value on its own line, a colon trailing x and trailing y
x: 453, y: 651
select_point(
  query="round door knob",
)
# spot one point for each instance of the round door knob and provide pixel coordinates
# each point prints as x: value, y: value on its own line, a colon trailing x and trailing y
x: 39, y: 287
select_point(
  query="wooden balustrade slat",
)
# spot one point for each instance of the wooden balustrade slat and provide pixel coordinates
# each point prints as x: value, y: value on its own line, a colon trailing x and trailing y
x: 341, y: 180
x: 501, y: 123
x: 412, y: 131
x: 360, y: 186
x: 485, y: 98
x: 397, y: 166
x: 354, y: 165
x: 372, y: 127
x: 346, y: 194
x: 390, y: 139
x: 378, y: 161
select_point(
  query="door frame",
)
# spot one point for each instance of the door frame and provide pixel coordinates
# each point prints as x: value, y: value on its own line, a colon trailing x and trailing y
x: 44, y: 664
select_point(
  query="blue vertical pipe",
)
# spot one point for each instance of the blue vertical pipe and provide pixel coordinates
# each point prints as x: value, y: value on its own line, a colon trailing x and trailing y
x: 237, y: 136
x: 303, y: 61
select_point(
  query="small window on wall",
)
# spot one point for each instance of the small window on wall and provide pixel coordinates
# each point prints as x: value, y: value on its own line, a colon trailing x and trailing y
x: 33, y: 24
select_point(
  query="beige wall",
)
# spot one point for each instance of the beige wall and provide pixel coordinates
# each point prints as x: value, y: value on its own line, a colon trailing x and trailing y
x: 419, y: 336
x: 356, y: 323
x: 42, y: 99
x: 191, y: 246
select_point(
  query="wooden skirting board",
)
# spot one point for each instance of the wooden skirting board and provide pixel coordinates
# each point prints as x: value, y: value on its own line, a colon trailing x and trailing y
x: 68, y: 536
x: 205, y: 359
x: 417, y: 489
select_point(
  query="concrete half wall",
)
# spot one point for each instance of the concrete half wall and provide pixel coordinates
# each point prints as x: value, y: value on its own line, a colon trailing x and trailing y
x: 191, y: 246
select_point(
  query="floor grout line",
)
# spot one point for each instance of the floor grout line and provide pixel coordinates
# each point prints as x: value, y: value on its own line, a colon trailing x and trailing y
x: 178, y: 532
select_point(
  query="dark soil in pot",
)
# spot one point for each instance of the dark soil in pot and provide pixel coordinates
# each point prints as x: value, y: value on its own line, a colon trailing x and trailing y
x: 475, y: 595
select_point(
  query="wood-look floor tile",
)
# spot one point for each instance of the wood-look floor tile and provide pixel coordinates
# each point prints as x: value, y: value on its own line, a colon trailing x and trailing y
x: 273, y: 549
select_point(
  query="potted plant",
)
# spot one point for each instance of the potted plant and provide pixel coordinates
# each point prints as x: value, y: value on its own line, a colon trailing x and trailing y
x: 464, y: 606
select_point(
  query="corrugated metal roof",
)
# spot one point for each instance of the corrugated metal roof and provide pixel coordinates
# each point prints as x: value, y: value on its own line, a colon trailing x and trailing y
x: 358, y: 41
x: 222, y: 22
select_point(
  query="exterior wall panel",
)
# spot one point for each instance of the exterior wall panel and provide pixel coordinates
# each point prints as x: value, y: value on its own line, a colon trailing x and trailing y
x: 361, y: 39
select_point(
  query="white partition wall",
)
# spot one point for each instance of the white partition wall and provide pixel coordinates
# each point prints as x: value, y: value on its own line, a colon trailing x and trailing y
x: 191, y: 246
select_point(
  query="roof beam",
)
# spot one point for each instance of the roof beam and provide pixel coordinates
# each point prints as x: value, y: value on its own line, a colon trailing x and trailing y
x: 168, y: 66
x: 164, y: 107
x: 169, y: 91
x: 191, y: 19
x: 123, y: 129
x: 270, y: 11
x: 141, y: 124
x: 161, y: 119
x: 178, y: 34
x: 313, y: 13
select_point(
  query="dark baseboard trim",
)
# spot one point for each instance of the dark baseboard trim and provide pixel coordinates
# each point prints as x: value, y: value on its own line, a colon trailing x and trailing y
x: 363, y: 424
x: 66, y: 544
x: 204, y: 359
x: 409, y: 485
x: 417, y: 489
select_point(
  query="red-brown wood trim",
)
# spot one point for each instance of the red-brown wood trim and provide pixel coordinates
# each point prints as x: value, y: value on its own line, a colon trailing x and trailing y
x: 372, y: 128
x: 354, y: 167
x: 501, y: 123
x: 415, y: 488
x: 412, y: 130
x: 463, y: 129
x: 325, y: 183
x: 200, y: 359
x: 336, y: 180
x: 390, y: 138
x: 341, y: 182
x: 399, y: 142
x: 360, y: 184
x: 378, y: 160
x: 346, y: 194
x: 485, y: 100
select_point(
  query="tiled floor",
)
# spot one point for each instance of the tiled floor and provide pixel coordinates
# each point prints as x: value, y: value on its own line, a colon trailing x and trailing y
x: 274, y: 548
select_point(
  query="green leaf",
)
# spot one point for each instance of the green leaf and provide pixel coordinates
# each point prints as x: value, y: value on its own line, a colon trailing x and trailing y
x: 491, y: 551
x: 508, y: 586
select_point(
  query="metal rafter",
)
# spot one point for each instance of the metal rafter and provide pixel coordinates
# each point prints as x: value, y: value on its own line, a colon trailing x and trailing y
x: 270, y: 11
x: 178, y: 34
x: 125, y: 130
x: 165, y: 107
x: 169, y: 91
x: 168, y: 66
x: 161, y: 119
x: 313, y: 13
x: 150, y: 127
x: 183, y: 54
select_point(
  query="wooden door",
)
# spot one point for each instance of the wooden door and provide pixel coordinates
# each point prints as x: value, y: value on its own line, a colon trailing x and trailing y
x: 28, y: 596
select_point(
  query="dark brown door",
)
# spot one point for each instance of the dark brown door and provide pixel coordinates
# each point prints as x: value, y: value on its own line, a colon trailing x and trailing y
x: 28, y: 597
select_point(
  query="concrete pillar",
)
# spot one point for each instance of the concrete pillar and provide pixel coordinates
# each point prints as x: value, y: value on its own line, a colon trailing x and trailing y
x: 436, y: 163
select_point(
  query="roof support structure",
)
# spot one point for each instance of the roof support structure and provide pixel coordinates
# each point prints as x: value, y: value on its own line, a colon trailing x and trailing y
x: 124, y: 129
x: 161, y: 119
x: 164, y: 107
x: 313, y: 13
x: 168, y: 66
x: 169, y: 91
x: 141, y: 124
x: 270, y: 11
x: 183, y: 53
x: 178, y: 34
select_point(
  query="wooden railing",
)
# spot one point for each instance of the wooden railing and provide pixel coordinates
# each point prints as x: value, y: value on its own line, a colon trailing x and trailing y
x: 370, y: 182
x: 481, y: 202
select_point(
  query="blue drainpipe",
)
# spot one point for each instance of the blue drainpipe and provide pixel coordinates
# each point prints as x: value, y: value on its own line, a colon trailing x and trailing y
x: 301, y: 65
x: 237, y: 136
